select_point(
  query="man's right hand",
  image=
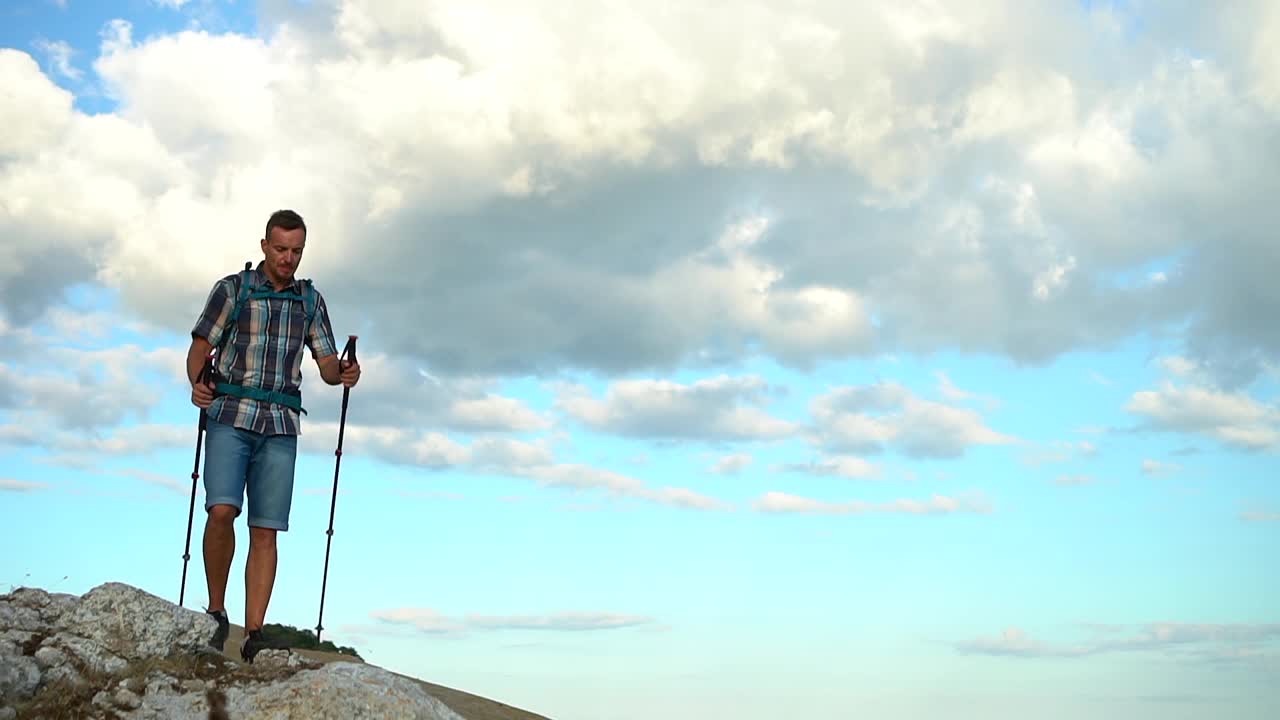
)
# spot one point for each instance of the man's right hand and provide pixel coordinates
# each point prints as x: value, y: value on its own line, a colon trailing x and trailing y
x: 202, y: 395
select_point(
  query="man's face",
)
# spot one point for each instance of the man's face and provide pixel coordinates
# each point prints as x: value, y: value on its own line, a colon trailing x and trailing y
x: 283, y: 253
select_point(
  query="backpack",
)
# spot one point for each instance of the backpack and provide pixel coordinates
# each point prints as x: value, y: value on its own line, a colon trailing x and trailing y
x: 308, y: 299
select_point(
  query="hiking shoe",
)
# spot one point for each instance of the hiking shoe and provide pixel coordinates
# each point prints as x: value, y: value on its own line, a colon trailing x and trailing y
x: 254, y: 641
x: 219, y: 640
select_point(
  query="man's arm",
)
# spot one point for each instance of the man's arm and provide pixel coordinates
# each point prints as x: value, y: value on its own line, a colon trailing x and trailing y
x: 196, y: 354
x: 329, y: 370
x: 207, y: 331
x: 325, y: 350
x: 334, y: 372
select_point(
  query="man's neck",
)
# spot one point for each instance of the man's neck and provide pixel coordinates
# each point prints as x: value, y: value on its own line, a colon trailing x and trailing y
x: 277, y: 284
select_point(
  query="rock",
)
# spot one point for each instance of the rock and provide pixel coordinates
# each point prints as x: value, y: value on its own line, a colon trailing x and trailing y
x: 85, y: 654
x: 118, y: 651
x: 135, y: 624
x: 281, y: 659
x: 19, y: 677
x: 126, y: 699
x: 336, y: 691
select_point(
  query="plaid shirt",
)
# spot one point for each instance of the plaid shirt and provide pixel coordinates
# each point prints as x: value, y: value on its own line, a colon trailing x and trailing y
x: 268, y: 351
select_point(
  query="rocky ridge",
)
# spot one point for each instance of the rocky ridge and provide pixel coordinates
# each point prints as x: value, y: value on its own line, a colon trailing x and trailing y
x: 120, y: 652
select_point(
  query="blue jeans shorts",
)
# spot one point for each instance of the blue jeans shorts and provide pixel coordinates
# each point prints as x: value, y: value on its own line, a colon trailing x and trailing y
x: 238, y: 460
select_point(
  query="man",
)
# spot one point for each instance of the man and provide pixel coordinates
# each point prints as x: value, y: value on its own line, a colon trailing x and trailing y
x: 251, y: 406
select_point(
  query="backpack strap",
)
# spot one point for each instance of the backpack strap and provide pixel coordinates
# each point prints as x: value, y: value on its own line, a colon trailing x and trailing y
x: 241, y: 297
x: 309, y: 305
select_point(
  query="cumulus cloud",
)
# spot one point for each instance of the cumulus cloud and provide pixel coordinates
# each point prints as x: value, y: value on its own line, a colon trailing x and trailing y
x: 65, y: 381
x: 1233, y: 418
x: 887, y: 415
x: 678, y: 185
x: 719, y: 408
x: 535, y: 461
x: 395, y: 392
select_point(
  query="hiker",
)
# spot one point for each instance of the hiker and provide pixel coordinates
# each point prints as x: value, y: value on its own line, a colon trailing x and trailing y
x: 259, y: 320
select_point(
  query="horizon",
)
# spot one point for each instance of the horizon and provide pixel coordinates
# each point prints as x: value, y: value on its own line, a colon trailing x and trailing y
x: 777, y: 361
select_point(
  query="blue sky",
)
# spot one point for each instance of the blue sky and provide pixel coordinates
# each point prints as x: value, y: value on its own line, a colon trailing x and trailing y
x: 921, y: 374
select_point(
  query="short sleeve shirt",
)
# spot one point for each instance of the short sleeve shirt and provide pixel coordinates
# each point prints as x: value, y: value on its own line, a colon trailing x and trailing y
x: 265, y: 351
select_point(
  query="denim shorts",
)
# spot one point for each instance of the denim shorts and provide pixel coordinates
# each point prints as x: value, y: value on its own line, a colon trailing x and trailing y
x: 237, y: 460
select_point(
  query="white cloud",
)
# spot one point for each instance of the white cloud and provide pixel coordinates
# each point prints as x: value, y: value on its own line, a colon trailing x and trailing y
x: 1060, y: 451
x: 534, y: 461
x: 35, y: 111
x: 1014, y: 641
x: 564, y: 621
x: 393, y: 392
x: 873, y: 418
x: 1179, y: 366
x: 653, y: 146
x: 169, y: 482
x: 1158, y: 467
x: 846, y: 466
x: 780, y: 502
x: 1233, y: 418
x: 59, y: 54
x: 22, y: 486
x: 1199, y: 642
x: 128, y: 440
x: 427, y: 620
x: 81, y: 389
x: 731, y: 464
x: 949, y: 389
x: 423, y: 620
x: 583, y: 477
x: 718, y: 408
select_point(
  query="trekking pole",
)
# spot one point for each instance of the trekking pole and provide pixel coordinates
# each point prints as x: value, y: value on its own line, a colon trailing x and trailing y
x: 205, y: 372
x: 350, y: 349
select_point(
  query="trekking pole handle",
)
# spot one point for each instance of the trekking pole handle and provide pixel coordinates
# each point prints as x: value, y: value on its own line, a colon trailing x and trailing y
x: 350, y: 349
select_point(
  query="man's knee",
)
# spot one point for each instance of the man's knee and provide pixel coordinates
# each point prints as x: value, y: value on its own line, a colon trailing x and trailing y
x: 261, y: 537
x: 223, y: 514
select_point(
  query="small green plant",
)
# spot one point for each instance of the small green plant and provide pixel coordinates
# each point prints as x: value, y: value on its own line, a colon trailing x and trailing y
x: 305, y: 640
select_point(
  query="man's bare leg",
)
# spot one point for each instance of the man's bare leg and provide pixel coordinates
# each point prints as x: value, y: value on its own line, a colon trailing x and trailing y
x: 219, y: 548
x: 259, y: 576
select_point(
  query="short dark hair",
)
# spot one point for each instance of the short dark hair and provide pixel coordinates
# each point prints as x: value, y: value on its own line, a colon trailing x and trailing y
x: 285, y: 220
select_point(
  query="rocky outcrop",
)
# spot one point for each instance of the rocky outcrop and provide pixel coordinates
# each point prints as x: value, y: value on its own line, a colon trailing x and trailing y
x: 120, y: 652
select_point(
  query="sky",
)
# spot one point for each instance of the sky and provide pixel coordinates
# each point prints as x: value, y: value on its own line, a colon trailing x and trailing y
x: 754, y: 360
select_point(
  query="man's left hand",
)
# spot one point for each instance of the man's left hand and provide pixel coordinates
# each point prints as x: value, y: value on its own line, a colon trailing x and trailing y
x: 350, y: 373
